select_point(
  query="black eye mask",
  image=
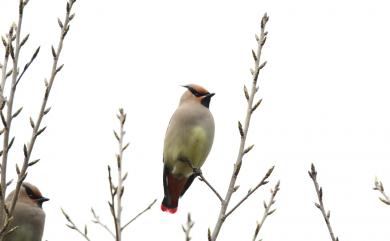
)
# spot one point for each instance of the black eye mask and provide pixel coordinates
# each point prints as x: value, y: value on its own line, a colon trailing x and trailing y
x: 30, y: 193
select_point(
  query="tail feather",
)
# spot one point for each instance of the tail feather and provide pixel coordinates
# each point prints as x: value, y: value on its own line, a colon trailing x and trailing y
x: 173, y: 188
x: 166, y: 206
x: 188, y: 184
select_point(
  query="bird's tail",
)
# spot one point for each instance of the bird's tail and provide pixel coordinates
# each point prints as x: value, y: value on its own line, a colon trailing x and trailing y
x: 172, y: 189
x: 168, y: 206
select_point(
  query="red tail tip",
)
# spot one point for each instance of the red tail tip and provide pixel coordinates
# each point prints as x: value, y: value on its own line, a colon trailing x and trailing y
x: 169, y: 210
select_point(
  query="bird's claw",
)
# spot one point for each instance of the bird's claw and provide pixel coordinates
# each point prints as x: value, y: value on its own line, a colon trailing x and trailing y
x: 197, y: 171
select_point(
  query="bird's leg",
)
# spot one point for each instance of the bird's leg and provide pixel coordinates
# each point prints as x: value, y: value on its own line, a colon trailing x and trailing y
x: 196, y: 171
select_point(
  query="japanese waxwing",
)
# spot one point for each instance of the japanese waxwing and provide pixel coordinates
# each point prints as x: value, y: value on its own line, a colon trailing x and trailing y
x: 188, y: 141
x: 28, y: 216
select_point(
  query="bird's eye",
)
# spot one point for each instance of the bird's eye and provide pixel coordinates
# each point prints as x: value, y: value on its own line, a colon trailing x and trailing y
x: 30, y: 192
x: 195, y: 92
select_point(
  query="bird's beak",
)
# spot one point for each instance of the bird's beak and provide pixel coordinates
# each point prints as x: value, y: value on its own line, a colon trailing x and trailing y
x: 210, y: 95
x: 43, y: 199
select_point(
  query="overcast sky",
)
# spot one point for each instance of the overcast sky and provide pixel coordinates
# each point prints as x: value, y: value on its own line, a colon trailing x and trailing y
x: 325, y: 95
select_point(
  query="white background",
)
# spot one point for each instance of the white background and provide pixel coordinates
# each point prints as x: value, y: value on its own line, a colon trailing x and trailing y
x: 325, y: 95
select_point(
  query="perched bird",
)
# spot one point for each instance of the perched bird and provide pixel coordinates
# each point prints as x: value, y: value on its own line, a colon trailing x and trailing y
x: 188, y: 141
x: 28, y: 216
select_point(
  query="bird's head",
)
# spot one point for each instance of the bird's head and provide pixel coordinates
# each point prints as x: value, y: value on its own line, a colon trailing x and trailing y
x: 30, y: 194
x: 198, y: 94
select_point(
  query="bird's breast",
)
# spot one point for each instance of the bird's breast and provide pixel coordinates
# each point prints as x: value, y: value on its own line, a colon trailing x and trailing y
x: 30, y: 222
x: 190, y: 140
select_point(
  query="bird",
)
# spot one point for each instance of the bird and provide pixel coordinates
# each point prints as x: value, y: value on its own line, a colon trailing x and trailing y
x: 188, y: 141
x: 28, y: 215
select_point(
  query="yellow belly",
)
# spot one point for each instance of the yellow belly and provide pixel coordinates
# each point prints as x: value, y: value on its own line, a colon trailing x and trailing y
x: 193, y: 146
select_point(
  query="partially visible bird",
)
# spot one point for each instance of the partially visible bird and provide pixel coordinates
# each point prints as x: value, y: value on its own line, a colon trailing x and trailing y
x: 188, y: 141
x: 28, y: 216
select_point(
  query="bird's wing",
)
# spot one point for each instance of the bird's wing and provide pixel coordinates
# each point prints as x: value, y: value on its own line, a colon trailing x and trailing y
x: 188, y: 184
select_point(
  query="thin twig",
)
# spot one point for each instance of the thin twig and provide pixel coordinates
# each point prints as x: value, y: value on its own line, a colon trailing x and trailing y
x: 117, y: 192
x: 7, y: 42
x: 14, y: 53
x: 188, y: 227
x: 251, y: 191
x: 139, y: 214
x: 198, y: 172
x: 73, y: 226
x: 320, y: 204
x: 379, y: 187
x: 203, y: 179
x: 28, y: 64
x: 97, y: 221
x: 267, y: 212
x: 251, y: 107
x: 118, y: 225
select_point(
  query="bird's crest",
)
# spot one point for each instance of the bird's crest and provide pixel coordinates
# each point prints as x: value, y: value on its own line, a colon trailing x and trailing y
x: 197, y: 90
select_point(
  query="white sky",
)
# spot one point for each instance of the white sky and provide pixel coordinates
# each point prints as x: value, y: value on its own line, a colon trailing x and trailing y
x: 325, y: 100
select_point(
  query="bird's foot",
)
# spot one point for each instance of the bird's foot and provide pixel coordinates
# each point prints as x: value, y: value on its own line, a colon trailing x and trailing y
x: 195, y: 170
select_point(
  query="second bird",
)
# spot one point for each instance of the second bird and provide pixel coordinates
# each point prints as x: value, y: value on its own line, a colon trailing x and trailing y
x: 28, y: 217
x: 188, y: 141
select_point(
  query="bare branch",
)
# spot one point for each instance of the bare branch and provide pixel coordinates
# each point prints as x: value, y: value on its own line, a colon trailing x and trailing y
x: 28, y: 64
x: 14, y: 52
x: 267, y: 210
x: 37, y: 130
x: 203, y: 179
x: 320, y: 205
x: 13, y: 44
x: 139, y: 214
x: 198, y: 172
x: 243, y: 133
x: 97, y: 221
x: 188, y: 227
x: 379, y: 187
x: 117, y: 192
x: 73, y: 226
x: 7, y: 45
x: 251, y: 191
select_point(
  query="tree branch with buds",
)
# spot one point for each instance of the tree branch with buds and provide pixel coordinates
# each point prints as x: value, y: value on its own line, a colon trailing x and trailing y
x: 320, y: 204
x: 252, y: 105
x: 73, y: 226
x: 13, y: 44
x: 267, y: 210
x: 139, y: 214
x: 116, y: 189
x: 116, y: 192
x: 203, y: 179
x: 379, y: 187
x: 97, y: 221
x: 44, y: 110
x: 188, y: 227
x: 251, y: 191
